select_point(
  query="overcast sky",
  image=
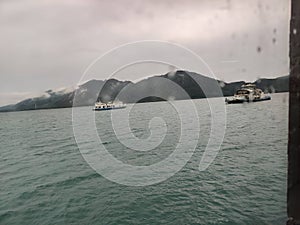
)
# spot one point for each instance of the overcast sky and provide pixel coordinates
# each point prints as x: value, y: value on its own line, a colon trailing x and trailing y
x: 47, y: 44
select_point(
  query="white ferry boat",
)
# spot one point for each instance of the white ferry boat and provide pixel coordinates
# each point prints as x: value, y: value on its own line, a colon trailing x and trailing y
x: 248, y: 93
x: 100, y: 106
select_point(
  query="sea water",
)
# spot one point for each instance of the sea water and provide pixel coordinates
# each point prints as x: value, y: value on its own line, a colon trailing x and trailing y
x: 45, y: 179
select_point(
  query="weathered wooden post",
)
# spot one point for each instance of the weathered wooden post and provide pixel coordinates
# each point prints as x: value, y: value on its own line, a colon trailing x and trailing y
x: 293, y: 195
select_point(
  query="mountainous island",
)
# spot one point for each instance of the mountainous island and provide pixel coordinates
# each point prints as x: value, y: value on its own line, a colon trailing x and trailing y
x: 169, y: 86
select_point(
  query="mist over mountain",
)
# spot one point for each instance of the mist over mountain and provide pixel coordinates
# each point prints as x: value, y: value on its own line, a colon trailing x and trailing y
x: 177, y: 85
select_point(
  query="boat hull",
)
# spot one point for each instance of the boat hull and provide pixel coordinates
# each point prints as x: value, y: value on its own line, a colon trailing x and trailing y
x: 109, y: 108
x: 237, y: 101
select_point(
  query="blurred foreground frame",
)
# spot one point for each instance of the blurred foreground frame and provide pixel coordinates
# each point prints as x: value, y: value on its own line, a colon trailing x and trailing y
x: 293, y: 188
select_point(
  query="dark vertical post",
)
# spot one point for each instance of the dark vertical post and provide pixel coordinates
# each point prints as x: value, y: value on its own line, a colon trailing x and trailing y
x: 293, y: 195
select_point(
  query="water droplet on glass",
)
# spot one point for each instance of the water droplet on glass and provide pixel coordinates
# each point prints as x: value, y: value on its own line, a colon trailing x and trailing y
x: 258, y: 49
x: 294, y: 31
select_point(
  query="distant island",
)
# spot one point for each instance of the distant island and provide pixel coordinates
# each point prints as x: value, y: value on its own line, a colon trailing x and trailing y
x: 85, y: 93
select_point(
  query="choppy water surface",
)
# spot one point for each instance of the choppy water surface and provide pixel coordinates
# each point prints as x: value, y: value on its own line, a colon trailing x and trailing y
x: 45, y: 180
